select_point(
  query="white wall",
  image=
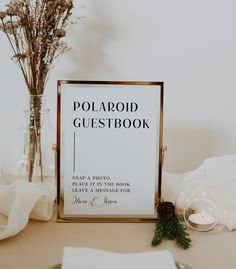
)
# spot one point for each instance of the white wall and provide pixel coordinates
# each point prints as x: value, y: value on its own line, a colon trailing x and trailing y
x: 190, y: 45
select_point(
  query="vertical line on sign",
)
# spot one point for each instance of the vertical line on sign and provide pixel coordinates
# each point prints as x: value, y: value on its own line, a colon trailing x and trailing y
x: 74, y: 155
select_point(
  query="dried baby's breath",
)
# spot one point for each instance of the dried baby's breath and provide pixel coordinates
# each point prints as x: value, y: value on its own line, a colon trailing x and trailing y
x: 60, y: 33
x: 35, y: 29
x: 2, y: 15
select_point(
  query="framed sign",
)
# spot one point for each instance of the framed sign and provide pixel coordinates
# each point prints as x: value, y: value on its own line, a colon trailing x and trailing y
x: 109, y: 150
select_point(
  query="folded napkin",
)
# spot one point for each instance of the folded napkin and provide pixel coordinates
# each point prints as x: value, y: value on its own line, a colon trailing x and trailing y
x: 22, y: 200
x: 219, y: 174
x: 74, y: 258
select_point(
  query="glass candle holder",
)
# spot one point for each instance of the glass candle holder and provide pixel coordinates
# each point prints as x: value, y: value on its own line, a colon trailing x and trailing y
x: 198, y: 203
x: 201, y: 214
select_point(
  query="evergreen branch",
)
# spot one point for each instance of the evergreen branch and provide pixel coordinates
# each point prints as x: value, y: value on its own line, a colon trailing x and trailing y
x: 159, y: 232
x: 182, y: 237
x: 170, y: 230
x: 169, y: 226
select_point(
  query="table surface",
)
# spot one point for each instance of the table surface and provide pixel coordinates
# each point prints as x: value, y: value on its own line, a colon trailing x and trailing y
x: 40, y: 244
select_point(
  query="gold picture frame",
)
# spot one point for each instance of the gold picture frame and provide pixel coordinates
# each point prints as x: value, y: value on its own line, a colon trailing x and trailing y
x: 68, y: 90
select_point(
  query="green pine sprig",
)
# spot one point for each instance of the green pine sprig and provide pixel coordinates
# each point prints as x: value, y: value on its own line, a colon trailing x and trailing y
x: 159, y: 233
x: 169, y: 226
x: 182, y: 237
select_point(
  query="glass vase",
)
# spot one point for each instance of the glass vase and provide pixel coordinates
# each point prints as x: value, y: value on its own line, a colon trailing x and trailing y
x: 28, y: 154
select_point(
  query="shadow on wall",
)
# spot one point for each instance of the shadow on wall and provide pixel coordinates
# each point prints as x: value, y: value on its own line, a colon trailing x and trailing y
x: 88, y: 58
x: 189, y: 146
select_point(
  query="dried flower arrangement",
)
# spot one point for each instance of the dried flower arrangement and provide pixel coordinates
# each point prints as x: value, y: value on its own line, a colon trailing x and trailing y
x: 35, y: 31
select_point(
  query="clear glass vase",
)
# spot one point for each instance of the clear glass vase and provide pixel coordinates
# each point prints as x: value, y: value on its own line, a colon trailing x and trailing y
x: 28, y: 154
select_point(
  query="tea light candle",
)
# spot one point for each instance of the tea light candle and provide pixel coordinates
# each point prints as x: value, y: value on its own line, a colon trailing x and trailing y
x: 202, y: 221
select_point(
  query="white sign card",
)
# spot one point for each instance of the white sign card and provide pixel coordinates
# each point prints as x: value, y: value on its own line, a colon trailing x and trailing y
x: 109, y: 142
